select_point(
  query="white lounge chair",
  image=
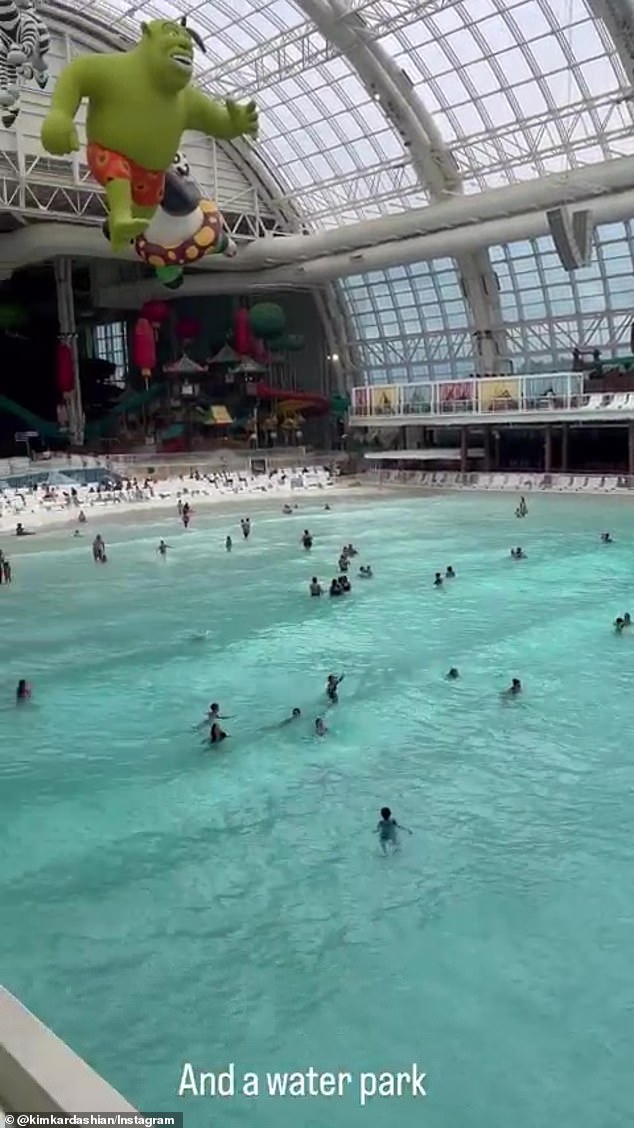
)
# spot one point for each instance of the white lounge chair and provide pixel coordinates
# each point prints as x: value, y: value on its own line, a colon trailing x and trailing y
x: 594, y: 403
x: 618, y: 402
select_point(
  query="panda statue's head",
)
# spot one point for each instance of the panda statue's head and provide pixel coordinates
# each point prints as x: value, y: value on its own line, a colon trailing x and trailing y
x: 180, y: 165
x: 182, y: 195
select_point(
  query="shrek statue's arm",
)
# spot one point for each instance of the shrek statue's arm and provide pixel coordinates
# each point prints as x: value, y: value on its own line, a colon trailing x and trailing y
x: 77, y: 81
x: 222, y: 120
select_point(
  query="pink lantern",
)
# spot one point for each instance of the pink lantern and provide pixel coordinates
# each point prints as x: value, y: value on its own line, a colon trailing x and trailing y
x: 241, y: 331
x: 65, y: 369
x: 187, y: 329
x: 144, y: 347
x: 157, y: 313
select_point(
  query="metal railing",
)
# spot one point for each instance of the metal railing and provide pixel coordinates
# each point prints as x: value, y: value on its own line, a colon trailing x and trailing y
x: 617, y: 403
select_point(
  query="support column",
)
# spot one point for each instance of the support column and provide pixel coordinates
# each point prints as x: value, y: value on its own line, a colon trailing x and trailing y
x: 548, y: 449
x: 63, y: 268
x: 464, y: 449
x: 481, y: 290
x: 630, y: 448
x: 488, y: 456
x: 565, y: 432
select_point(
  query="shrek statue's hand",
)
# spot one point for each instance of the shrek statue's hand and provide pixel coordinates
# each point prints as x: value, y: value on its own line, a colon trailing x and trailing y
x: 243, y: 119
x: 59, y: 135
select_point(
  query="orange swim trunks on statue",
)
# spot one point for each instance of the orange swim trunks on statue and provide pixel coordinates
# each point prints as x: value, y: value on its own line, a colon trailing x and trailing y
x: 147, y: 187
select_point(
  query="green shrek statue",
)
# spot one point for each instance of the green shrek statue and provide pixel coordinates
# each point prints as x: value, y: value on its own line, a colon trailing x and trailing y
x: 139, y: 103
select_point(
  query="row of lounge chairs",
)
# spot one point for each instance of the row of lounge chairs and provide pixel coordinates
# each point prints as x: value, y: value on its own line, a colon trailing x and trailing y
x: 519, y: 483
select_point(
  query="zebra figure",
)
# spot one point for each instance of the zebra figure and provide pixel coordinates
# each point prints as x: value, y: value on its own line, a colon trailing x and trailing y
x: 24, y: 44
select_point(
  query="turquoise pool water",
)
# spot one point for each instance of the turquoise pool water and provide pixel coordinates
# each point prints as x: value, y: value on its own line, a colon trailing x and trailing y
x: 164, y: 903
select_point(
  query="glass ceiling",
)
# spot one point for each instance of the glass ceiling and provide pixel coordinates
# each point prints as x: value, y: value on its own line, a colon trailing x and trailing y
x: 517, y: 88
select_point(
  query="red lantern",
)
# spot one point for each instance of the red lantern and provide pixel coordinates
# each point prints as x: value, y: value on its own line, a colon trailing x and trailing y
x: 157, y: 313
x: 144, y: 347
x: 241, y: 332
x: 187, y: 329
x: 65, y: 368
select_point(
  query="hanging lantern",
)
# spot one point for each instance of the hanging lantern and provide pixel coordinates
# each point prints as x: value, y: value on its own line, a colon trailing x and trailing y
x: 187, y: 329
x: 65, y: 369
x: 157, y: 313
x: 267, y: 320
x: 241, y: 331
x: 144, y: 347
x: 294, y: 342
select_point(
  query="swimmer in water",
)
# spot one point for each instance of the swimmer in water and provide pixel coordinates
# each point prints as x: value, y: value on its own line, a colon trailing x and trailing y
x: 307, y: 539
x: 514, y: 689
x: 366, y: 572
x: 216, y: 734
x: 518, y: 553
x: 450, y: 574
x: 438, y: 580
x: 386, y: 829
x: 23, y: 691
x: 335, y: 587
x: 453, y: 674
x: 320, y: 727
x: 315, y: 587
x: 228, y: 544
x: 214, y: 713
x: 287, y: 509
x: 606, y: 538
x: 295, y: 716
x: 245, y: 525
x: 162, y: 548
x: 344, y: 584
x: 332, y: 686
x: 619, y: 624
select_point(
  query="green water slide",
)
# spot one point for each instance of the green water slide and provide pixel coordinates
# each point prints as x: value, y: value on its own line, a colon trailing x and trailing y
x: 47, y: 430
x: 31, y: 422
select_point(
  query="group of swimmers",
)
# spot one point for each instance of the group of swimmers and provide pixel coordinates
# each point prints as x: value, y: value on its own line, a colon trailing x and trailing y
x: 449, y: 575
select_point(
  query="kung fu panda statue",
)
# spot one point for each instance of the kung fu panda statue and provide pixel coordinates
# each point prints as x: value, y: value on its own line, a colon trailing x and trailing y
x: 184, y: 229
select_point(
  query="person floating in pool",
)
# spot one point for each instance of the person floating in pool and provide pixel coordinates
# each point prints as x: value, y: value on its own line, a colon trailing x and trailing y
x: 365, y: 571
x: 518, y: 553
x: 438, y: 580
x: 332, y: 687
x: 514, y: 689
x: 245, y: 525
x: 453, y: 674
x: 23, y: 691
x: 287, y: 509
x: 606, y: 538
x: 217, y: 734
x: 162, y: 548
x: 619, y: 625
x: 307, y: 539
x: 228, y: 544
x: 321, y: 728
x: 450, y: 574
x: 315, y: 587
x: 387, y: 828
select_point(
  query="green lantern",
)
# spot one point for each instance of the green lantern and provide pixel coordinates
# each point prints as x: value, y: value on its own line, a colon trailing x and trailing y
x: 278, y: 344
x: 267, y: 320
x: 295, y: 342
x: 12, y: 316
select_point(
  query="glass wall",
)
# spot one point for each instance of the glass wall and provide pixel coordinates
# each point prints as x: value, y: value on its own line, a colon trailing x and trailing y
x: 410, y: 323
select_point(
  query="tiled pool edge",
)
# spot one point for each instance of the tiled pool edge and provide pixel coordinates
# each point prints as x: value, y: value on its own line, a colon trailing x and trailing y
x: 40, y: 1073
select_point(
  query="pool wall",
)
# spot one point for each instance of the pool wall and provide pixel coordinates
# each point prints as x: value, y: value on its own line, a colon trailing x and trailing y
x: 40, y: 1073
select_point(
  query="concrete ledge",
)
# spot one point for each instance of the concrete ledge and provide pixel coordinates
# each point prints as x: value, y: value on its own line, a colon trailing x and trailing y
x: 39, y: 1073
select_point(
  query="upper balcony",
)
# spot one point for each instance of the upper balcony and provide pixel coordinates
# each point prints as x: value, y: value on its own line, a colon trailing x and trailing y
x: 546, y: 398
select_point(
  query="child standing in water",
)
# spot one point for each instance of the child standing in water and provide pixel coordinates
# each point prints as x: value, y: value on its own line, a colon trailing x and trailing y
x: 386, y: 829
